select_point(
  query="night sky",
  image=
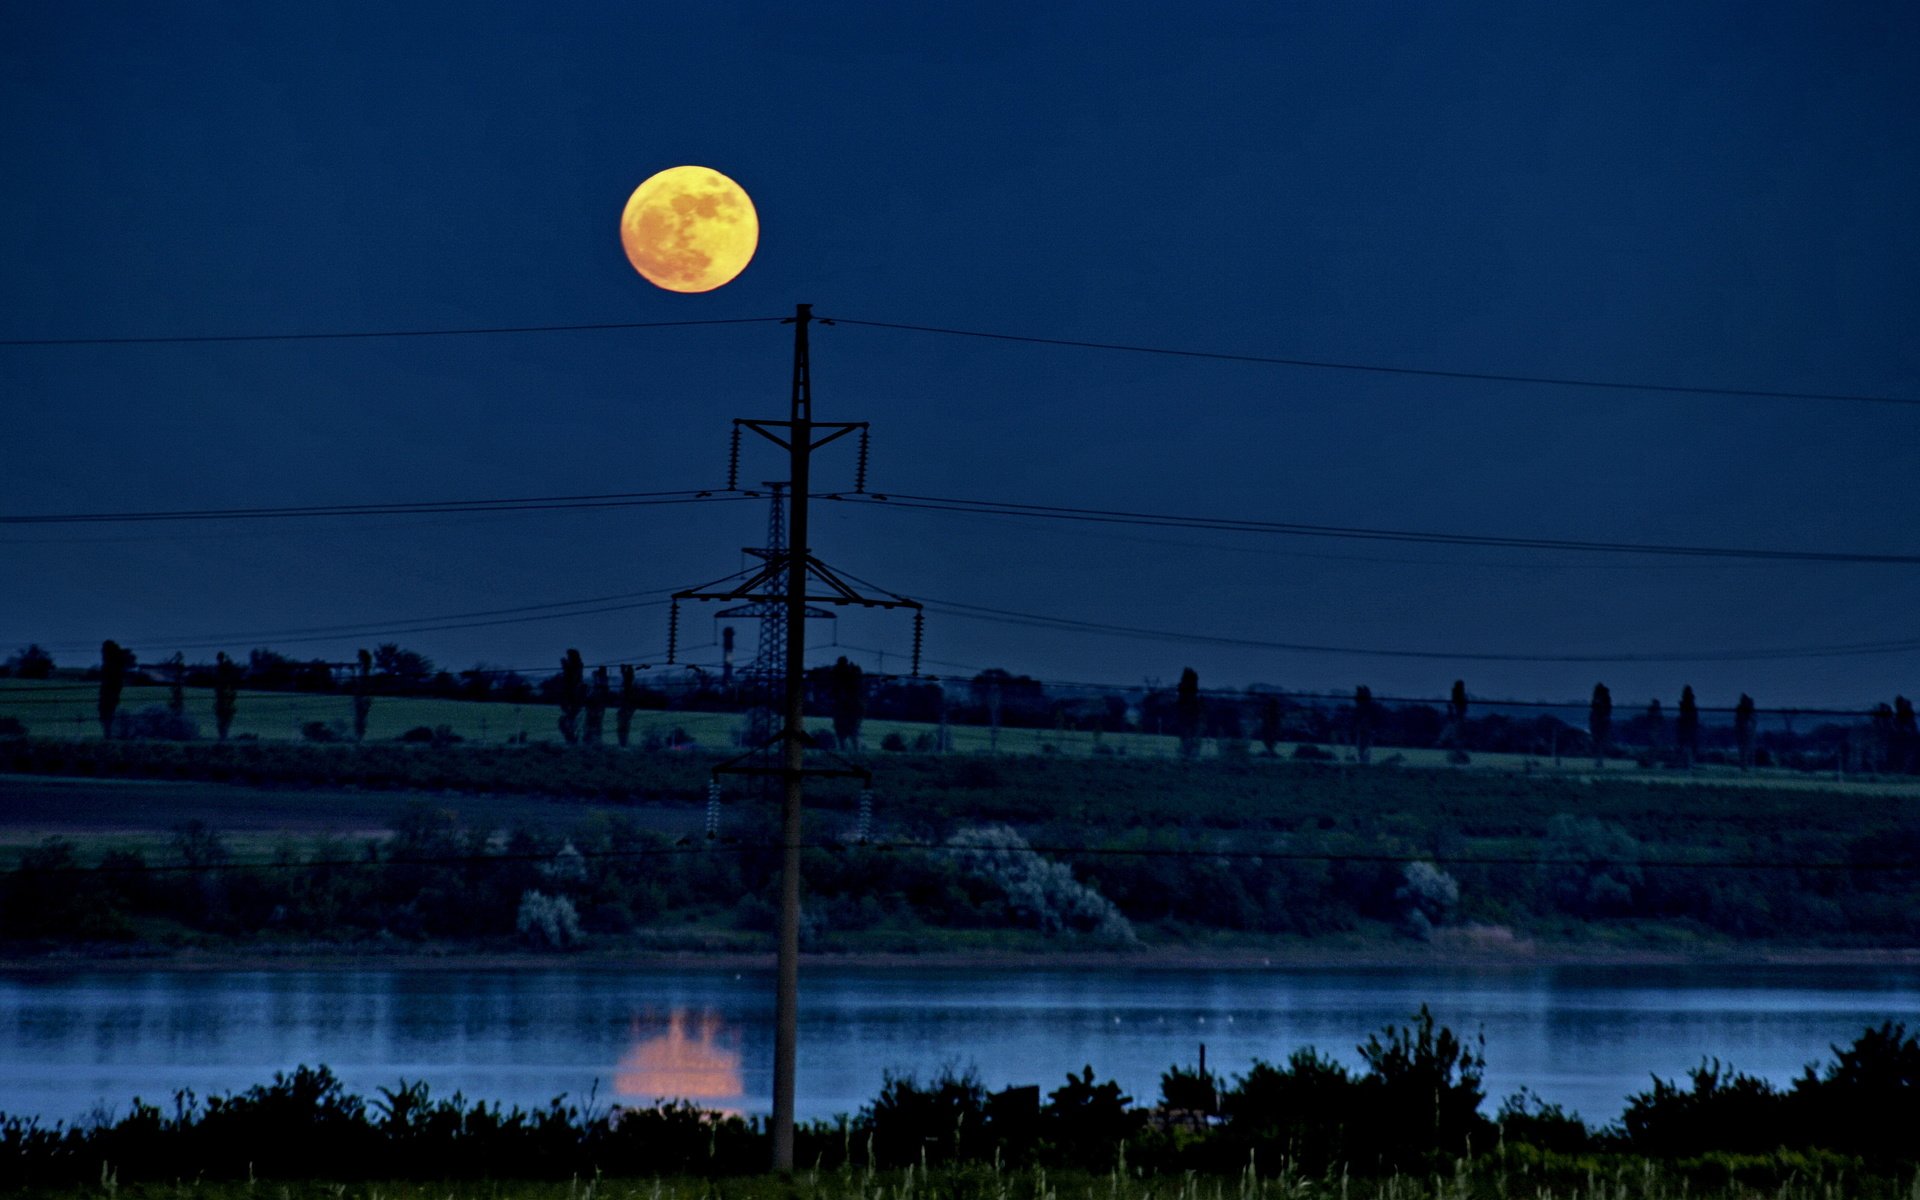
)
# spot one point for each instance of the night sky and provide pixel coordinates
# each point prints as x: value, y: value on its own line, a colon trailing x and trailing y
x: 1720, y: 194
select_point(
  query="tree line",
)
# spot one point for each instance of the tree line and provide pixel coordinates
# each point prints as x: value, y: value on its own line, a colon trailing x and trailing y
x: 1886, y: 741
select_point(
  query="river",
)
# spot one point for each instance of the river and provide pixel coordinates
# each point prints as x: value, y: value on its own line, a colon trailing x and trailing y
x: 73, y: 1044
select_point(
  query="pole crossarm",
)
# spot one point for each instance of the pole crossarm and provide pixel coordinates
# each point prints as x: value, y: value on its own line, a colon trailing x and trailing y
x: 835, y: 430
x: 766, y: 585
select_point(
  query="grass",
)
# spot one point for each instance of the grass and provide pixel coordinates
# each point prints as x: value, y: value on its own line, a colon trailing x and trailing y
x: 1538, y: 1177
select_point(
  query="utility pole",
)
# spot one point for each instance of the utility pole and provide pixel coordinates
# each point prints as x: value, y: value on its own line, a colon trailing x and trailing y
x: 799, y: 435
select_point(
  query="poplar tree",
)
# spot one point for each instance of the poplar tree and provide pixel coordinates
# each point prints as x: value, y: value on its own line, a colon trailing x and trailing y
x: 1364, y: 714
x: 177, y: 684
x: 1686, y: 727
x: 1600, y: 723
x: 597, y: 707
x: 226, y: 692
x: 362, y: 695
x: 1186, y: 713
x: 1743, y: 729
x: 629, y: 700
x: 1457, y: 712
x: 114, y: 665
x: 572, y: 696
x: 848, y: 687
x: 1270, y: 723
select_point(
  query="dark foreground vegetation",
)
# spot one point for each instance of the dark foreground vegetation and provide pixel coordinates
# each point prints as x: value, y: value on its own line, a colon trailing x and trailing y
x: 1413, y: 1112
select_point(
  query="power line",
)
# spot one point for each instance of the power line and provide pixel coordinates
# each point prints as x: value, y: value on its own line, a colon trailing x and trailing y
x: 1002, y: 616
x: 1379, y: 369
x: 1296, y: 529
x: 411, y: 508
x: 362, y: 335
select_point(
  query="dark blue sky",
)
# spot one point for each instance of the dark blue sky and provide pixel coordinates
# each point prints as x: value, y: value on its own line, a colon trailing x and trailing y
x: 1719, y: 194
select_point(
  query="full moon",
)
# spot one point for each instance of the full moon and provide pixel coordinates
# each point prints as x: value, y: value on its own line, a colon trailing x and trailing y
x: 689, y: 229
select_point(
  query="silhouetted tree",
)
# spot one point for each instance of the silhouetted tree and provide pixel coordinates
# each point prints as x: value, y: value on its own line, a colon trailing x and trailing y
x: 30, y: 662
x: 1656, y: 732
x: 1600, y: 723
x: 1365, y: 716
x: 847, y: 688
x: 177, y: 684
x: 1457, y: 714
x: 1270, y: 723
x: 1883, y: 737
x: 403, y: 666
x: 1187, y: 712
x: 1743, y: 729
x: 226, y: 692
x: 597, y: 700
x: 629, y: 700
x: 115, y: 662
x: 362, y: 694
x: 573, y: 694
x: 1906, y: 737
x: 1686, y: 727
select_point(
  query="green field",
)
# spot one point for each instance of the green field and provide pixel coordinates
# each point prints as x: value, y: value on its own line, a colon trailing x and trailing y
x: 67, y: 709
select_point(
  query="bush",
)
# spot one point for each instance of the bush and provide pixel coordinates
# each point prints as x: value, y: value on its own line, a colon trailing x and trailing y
x: 154, y: 723
x: 1422, y: 1090
x: 1086, y: 1122
x: 322, y: 731
x: 1308, y: 752
x: 894, y: 742
x: 548, y: 922
x: 940, y: 1122
x: 12, y: 727
x: 1527, y: 1119
x: 438, y: 735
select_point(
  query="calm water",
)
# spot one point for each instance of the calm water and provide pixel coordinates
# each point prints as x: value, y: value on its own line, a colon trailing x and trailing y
x: 1585, y: 1037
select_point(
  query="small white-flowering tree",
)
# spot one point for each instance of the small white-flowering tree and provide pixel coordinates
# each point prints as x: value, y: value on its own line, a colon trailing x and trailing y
x: 1041, y: 889
x: 549, y: 922
x: 1428, y: 897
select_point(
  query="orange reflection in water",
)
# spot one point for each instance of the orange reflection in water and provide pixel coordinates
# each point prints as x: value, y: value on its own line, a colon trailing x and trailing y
x: 693, y: 1059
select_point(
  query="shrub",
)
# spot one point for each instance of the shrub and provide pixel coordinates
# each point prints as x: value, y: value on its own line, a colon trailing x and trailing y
x: 1085, y: 1122
x: 1423, y: 1089
x: 1720, y: 1109
x: 12, y: 727
x: 894, y: 742
x: 1527, y: 1119
x: 1301, y: 1108
x: 438, y: 735
x: 548, y: 922
x: 1042, y: 889
x: 1183, y: 1090
x: 155, y: 723
x: 322, y: 731
x: 1308, y: 752
x: 1427, y: 896
x: 942, y: 1121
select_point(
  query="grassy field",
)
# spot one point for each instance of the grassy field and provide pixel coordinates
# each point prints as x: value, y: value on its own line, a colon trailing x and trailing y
x: 1552, y: 1179
x: 66, y: 708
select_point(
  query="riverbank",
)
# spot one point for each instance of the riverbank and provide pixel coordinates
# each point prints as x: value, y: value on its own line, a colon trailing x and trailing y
x: 1452, y: 949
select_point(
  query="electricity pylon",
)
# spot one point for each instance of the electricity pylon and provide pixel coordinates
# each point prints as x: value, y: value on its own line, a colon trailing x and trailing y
x: 769, y: 665
x: 807, y: 581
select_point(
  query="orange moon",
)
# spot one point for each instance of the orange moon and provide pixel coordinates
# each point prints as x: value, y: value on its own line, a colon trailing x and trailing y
x: 689, y: 229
